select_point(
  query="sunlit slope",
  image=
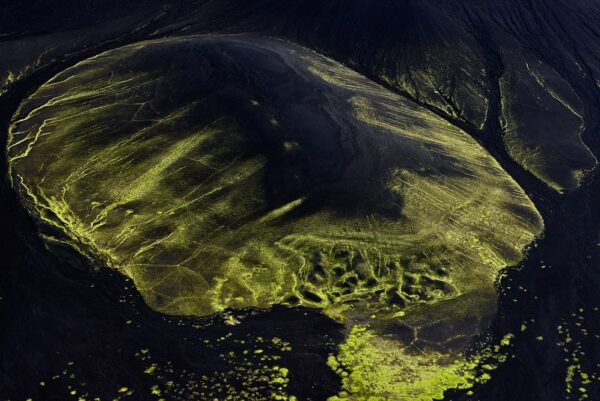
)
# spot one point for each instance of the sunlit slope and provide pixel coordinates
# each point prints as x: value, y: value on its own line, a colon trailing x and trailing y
x: 238, y: 171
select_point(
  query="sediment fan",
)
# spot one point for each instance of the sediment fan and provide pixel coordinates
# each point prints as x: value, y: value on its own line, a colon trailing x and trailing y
x: 238, y: 171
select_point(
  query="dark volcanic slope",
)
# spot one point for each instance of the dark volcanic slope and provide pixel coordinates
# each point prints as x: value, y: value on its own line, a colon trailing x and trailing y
x: 461, y: 58
x: 520, y: 77
x: 464, y: 59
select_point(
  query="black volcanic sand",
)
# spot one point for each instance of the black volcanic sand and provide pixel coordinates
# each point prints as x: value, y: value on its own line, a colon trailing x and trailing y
x: 51, y: 315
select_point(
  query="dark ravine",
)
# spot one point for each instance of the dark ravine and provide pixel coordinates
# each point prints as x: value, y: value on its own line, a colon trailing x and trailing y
x: 57, y: 308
